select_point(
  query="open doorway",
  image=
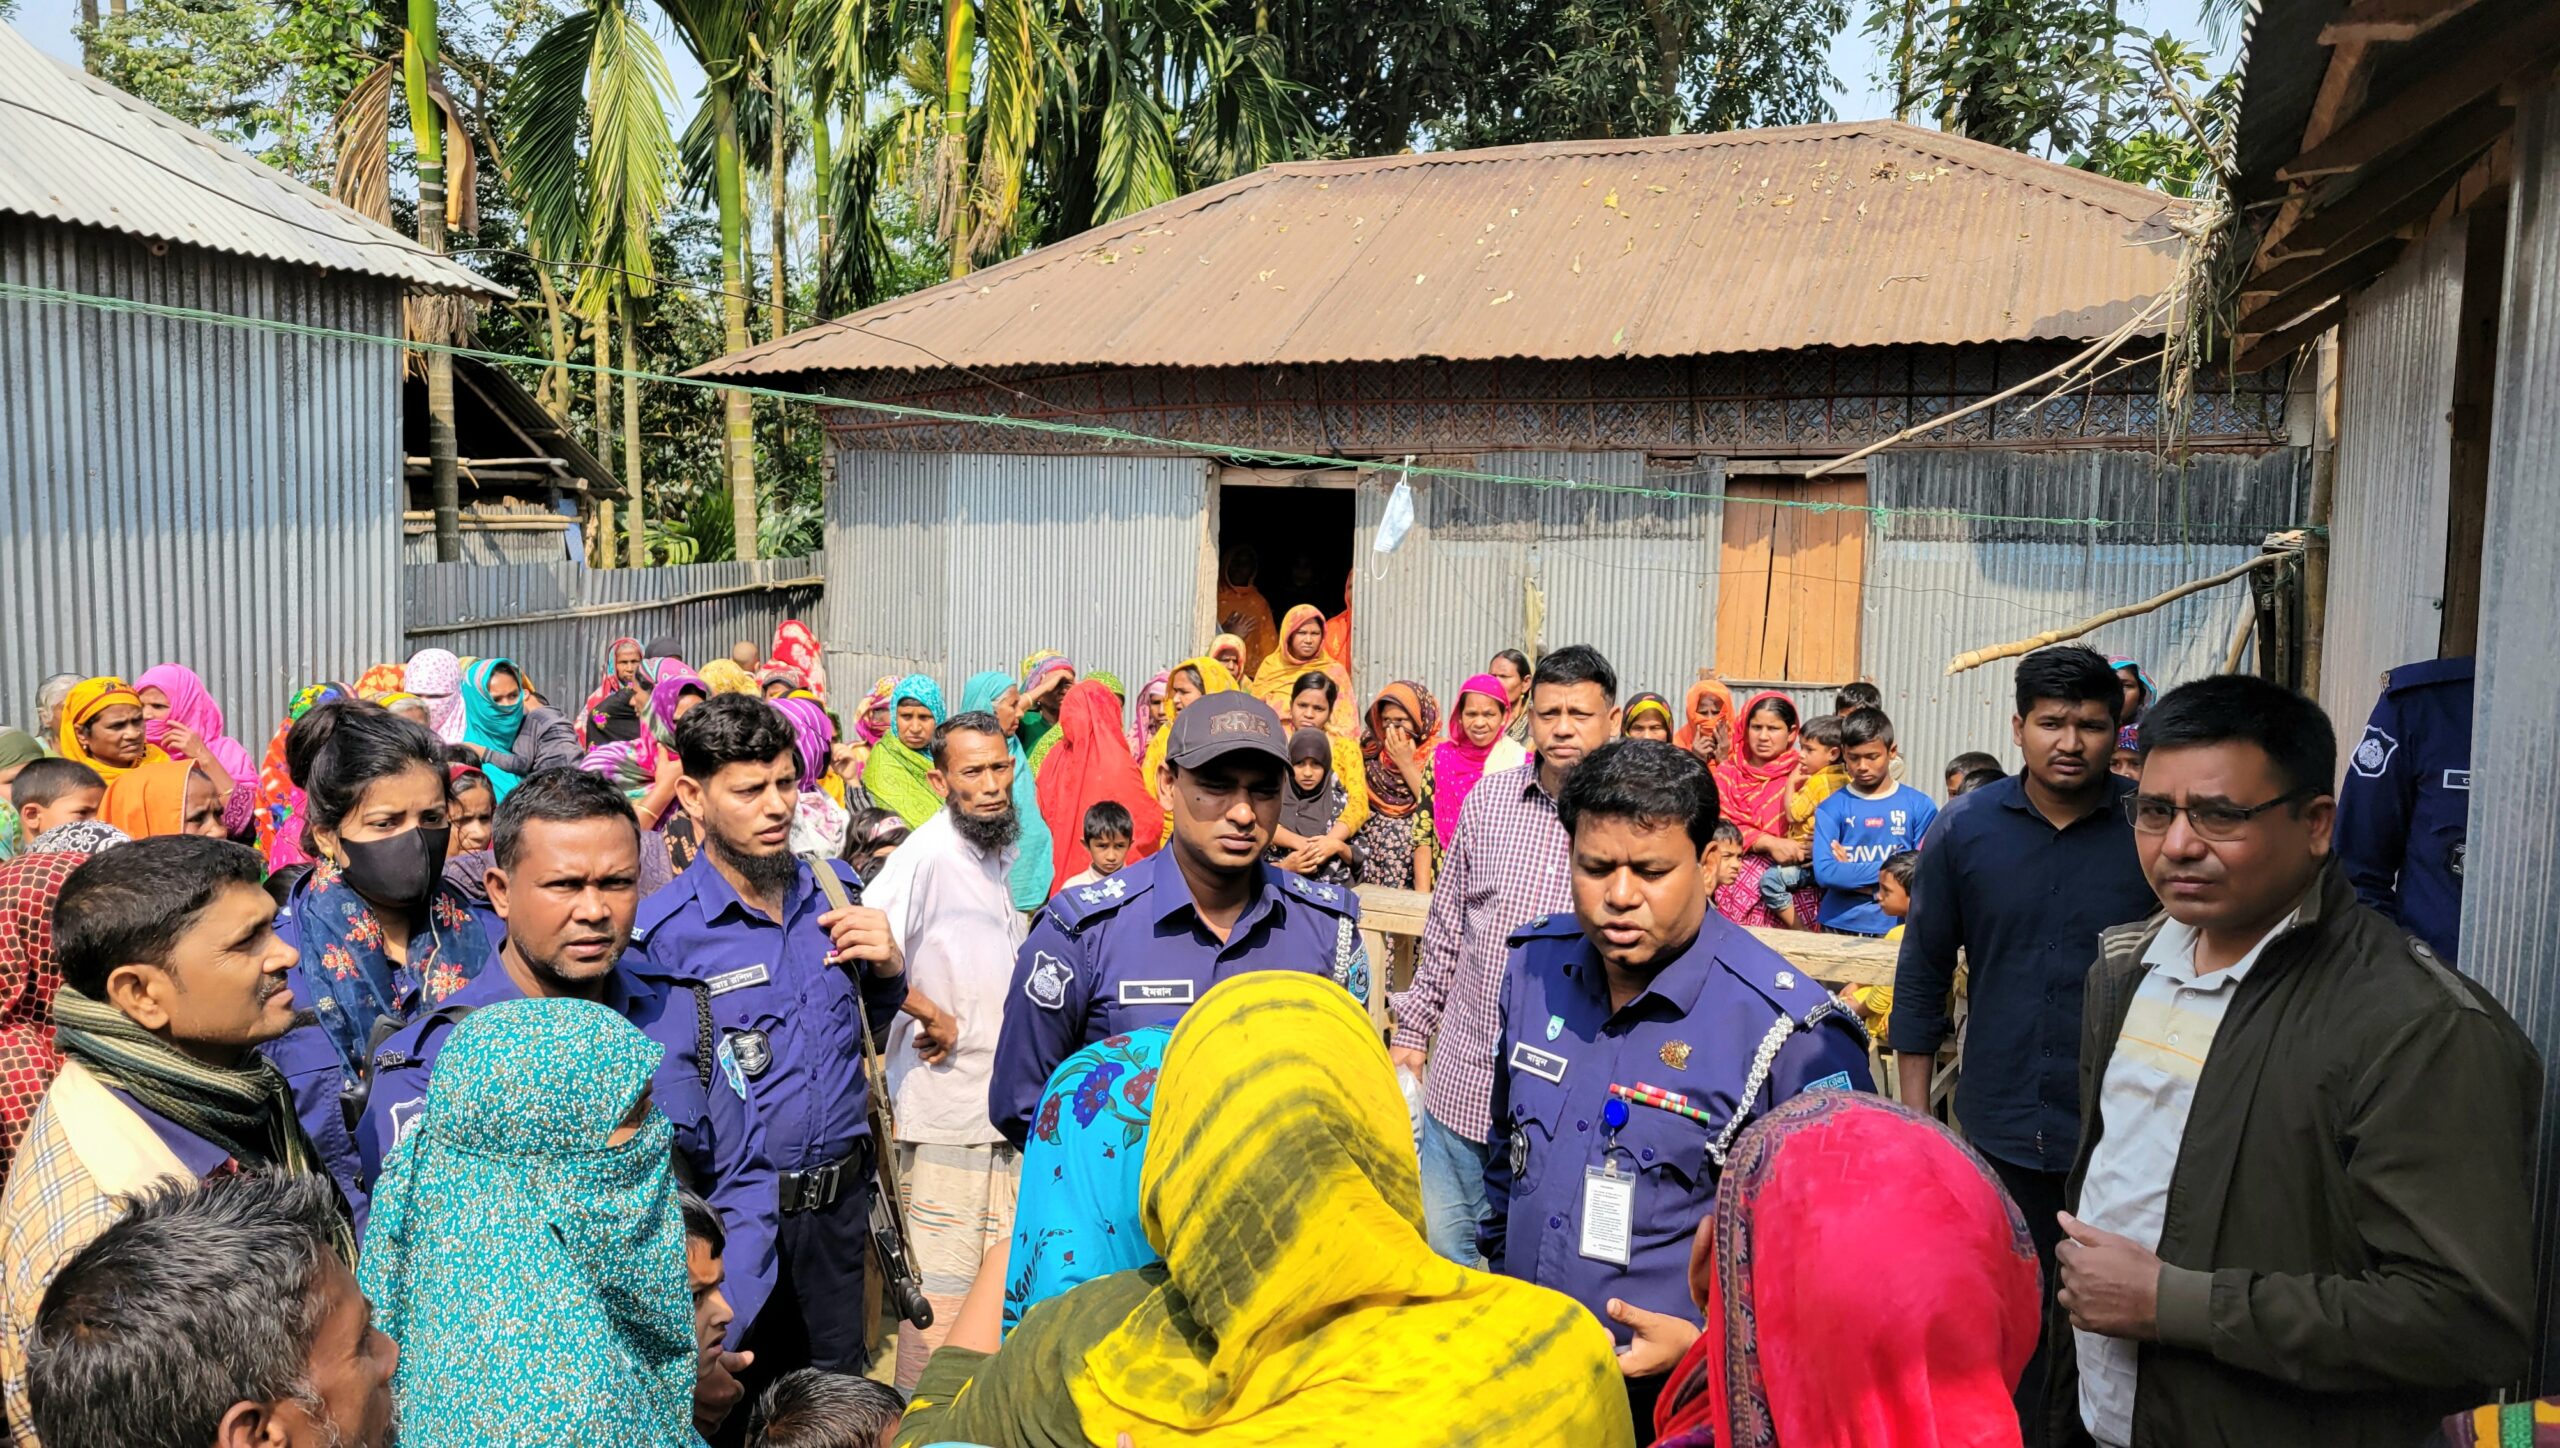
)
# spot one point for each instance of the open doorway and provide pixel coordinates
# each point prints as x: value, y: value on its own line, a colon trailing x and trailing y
x: 1297, y: 526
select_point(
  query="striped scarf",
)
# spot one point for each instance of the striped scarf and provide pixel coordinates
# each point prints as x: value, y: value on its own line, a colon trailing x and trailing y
x: 247, y: 1110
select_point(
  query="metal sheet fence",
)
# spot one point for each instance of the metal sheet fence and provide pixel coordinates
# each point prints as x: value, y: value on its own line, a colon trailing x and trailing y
x: 2395, y: 469
x: 2511, y: 882
x: 1939, y: 586
x: 182, y: 491
x: 555, y: 620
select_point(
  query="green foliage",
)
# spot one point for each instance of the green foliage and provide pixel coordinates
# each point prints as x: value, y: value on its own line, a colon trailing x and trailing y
x: 264, y: 76
x: 2175, y: 119
x: 1564, y: 69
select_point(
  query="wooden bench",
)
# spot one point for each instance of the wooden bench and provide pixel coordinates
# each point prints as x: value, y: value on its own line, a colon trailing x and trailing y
x: 1391, y: 923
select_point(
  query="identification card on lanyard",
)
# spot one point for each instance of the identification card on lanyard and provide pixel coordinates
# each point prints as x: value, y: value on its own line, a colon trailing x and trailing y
x: 1608, y: 1213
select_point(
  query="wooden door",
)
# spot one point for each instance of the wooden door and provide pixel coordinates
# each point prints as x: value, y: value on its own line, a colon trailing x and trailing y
x: 1790, y: 579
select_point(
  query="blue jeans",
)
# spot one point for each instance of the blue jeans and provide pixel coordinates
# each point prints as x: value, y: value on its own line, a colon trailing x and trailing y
x: 1778, y: 886
x: 1452, y: 1191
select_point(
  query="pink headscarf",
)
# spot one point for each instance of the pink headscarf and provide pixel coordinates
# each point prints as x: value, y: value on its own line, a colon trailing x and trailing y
x: 1148, y: 715
x: 191, y: 705
x: 435, y: 675
x: 1457, y: 764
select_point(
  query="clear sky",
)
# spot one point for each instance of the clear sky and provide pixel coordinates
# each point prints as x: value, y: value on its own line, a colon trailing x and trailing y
x: 1855, y: 95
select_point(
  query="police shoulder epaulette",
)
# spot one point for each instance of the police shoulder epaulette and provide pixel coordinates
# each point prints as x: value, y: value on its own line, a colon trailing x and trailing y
x: 1080, y: 905
x: 653, y: 912
x: 1336, y: 899
x: 1788, y: 988
x: 2458, y: 669
x: 1561, y: 924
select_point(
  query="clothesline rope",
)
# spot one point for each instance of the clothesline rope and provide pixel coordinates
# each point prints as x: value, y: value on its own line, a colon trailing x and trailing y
x: 57, y: 296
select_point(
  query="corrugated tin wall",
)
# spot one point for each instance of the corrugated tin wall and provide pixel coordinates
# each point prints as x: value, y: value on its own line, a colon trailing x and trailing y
x: 2511, y: 880
x: 1632, y: 576
x: 555, y: 620
x: 1937, y: 586
x: 1095, y: 557
x: 174, y: 490
x: 2395, y: 468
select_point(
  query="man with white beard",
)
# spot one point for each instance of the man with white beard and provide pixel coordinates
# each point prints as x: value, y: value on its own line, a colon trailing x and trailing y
x: 950, y: 905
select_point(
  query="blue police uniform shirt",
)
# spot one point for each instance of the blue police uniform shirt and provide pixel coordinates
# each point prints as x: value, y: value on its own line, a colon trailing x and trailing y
x: 309, y: 1062
x: 1699, y: 1031
x: 1129, y: 951
x: 777, y: 1006
x: 2405, y: 809
x: 716, y: 1128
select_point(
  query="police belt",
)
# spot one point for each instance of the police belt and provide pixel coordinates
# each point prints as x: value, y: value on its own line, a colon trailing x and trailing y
x: 822, y: 1187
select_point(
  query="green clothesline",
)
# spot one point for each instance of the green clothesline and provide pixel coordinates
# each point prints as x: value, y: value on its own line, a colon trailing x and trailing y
x: 62, y: 297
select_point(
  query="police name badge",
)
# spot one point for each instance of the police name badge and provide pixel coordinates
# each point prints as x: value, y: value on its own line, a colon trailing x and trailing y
x: 1047, y: 983
x: 1545, y: 1065
x: 737, y: 979
x: 753, y: 1051
x: 1156, y: 992
x: 1608, y: 1214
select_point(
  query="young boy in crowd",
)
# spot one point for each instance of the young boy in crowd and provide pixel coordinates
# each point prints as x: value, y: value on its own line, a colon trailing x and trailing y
x: 1108, y: 831
x: 1874, y: 1003
x: 1724, y: 855
x: 1962, y: 768
x: 1854, y: 697
x: 1859, y: 827
x: 813, y: 1409
x: 50, y: 792
x: 1818, y: 774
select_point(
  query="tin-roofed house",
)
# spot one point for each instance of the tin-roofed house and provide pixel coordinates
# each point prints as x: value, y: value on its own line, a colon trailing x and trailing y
x: 1612, y: 365
x: 200, y: 420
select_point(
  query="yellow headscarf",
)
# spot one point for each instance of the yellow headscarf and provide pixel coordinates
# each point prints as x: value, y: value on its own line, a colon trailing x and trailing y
x: 1214, y: 679
x: 723, y: 676
x: 1281, y: 1187
x: 89, y: 699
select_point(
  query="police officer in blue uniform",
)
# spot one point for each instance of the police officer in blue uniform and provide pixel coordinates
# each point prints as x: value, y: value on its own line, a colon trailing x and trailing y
x: 1638, y: 1036
x: 564, y: 889
x: 784, y: 974
x: 1137, y: 949
x: 2406, y: 805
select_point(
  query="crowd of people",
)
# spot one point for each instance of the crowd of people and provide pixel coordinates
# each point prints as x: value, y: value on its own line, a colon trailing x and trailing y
x: 477, y: 1066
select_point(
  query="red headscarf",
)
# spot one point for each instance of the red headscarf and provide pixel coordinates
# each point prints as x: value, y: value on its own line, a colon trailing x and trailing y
x: 1753, y: 792
x: 1707, y: 687
x: 30, y: 973
x: 1090, y: 763
x: 1389, y: 795
x: 795, y: 646
x: 1809, y: 1346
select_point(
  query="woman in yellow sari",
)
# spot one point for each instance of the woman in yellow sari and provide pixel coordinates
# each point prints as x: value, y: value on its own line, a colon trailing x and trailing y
x: 1191, y: 679
x: 1297, y: 1301
x: 102, y: 728
x: 1300, y: 653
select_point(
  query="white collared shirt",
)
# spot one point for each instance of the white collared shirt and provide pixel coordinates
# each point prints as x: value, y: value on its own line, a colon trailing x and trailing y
x: 2149, y: 1087
x: 950, y: 905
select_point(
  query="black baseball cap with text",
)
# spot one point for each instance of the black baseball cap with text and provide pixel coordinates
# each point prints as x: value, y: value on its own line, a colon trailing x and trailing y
x: 1222, y: 724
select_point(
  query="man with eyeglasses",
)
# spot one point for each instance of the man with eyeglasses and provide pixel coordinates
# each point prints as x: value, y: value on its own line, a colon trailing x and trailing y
x: 2021, y: 875
x: 2300, y: 1213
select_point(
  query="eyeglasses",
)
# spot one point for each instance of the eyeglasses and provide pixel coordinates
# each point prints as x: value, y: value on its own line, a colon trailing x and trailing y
x: 2152, y: 814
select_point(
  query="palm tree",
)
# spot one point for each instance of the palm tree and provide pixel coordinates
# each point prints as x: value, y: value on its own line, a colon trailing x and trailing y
x: 594, y: 157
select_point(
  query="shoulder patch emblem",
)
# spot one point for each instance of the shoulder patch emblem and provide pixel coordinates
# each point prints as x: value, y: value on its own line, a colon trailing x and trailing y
x: 1047, y: 984
x: 730, y: 1070
x: 404, y: 1115
x: 2374, y: 754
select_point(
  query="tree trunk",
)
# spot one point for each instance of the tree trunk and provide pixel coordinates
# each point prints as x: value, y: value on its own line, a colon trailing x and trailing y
x: 426, y: 129
x: 777, y: 310
x: 959, y: 77
x: 739, y: 431
x: 555, y: 378
x: 1907, y: 57
x: 604, y: 393
x: 639, y: 509
x: 822, y: 159
x: 88, y: 36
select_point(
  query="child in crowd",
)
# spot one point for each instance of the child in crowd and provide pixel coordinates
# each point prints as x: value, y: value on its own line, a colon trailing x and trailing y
x: 1874, y: 1003
x: 1818, y: 774
x: 1857, y: 696
x: 50, y: 792
x: 1108, y: 831
x: 2127, y: 761
x: 1310, y: 803
x: 1860, y: 826
x: 872, y: 836
x: 473, y: 808
x: 1964, y: 766
x: 811, y: 1408
x: 1724, y: 855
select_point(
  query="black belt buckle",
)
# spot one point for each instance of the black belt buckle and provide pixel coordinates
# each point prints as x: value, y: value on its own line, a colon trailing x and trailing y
x: 820, y: 1187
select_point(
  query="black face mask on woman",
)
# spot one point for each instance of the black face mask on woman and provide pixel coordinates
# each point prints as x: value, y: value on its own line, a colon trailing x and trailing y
x: 399, y: 869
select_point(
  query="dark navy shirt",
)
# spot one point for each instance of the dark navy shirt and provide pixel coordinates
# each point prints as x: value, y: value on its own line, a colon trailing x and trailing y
x: 2405, y: 810
x: 1695, y: 1031
x: 779, y: 1008
x: 717, y: 1133
x: 2025, y: 903
x: 1129, y: 950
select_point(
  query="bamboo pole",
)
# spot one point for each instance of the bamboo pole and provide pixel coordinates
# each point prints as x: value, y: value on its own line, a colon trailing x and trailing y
x: 2105, y: 345
x: 1976, y: 658
x: 2240, y: 639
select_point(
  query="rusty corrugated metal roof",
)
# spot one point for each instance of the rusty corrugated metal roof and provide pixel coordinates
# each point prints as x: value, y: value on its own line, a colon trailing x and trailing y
x: 1857, y: 234
x: 75, y: 149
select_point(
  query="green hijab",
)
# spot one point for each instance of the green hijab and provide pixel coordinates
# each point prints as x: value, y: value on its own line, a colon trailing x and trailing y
x: 895, y: 775
x: 532, y: 1275
x: 1033, y: 867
